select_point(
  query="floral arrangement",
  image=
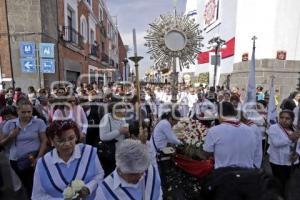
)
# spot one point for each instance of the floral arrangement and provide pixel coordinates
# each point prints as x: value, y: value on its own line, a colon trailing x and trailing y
x: 72, y: 191
x: 192, y: 134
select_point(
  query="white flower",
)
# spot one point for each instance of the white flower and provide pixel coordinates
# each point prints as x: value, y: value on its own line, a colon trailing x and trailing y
x: 68, y: 193
x: 77, y: 185
x: 198, y: 145
x: 194, y: 141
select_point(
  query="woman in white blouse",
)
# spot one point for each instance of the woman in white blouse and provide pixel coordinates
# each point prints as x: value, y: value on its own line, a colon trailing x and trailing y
x: 282, y: 138
x: 113, y: 129
x: 72, y: 110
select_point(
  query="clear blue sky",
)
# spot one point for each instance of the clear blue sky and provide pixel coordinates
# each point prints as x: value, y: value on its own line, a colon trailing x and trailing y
x: 139, y: 14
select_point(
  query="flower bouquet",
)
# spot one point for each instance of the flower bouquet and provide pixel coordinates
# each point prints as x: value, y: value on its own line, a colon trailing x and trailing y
x: 190, y: 156
x: 73, y: 191
x: 192, y: 134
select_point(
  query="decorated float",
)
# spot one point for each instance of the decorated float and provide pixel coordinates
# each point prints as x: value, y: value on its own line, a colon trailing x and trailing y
x: 190, y: 156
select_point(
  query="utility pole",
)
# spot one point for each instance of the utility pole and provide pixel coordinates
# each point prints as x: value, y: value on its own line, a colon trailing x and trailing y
x: 9, y: 47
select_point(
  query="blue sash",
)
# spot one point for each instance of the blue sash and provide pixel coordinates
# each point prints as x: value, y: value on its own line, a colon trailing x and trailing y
x: 151, y: 187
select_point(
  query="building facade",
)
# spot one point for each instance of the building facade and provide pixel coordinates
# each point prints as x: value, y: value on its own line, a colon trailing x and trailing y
x: 85, y: 37
x: 275, y: 23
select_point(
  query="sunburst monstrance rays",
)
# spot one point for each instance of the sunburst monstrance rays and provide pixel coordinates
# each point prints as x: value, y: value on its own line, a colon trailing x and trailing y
x: 173, y: 36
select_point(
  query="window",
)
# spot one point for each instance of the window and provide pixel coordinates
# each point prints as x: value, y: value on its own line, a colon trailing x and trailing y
x: 71, y: 23
x: 100, y: 13
x: 70, y: 17
x: 108, y: 29
x: 83, y: 28
x: 92, y: 36
x: 92, y: 76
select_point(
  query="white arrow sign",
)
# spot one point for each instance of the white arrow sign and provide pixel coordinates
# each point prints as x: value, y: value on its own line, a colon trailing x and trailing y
x: 28, y: 65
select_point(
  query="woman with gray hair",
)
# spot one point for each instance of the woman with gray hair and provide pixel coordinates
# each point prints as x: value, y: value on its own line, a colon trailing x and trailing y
x: 134, y: 177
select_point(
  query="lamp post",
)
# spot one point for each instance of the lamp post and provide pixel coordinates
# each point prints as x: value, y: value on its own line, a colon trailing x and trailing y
x: 125, y: 61
x: 228, y: 82
x: 216, y: 43
x: 136, y: 59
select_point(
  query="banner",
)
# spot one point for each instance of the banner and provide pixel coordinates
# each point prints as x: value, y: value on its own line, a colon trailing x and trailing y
x: 272, y: 111
x: 251, y: 90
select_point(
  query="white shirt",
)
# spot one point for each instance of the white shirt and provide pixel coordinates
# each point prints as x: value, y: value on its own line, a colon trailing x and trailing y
x: 80, y: 118
x: 109, y: 128
x: 154, y: 105
x: 204, y: 109
x: 38, y: 192
x: 77, y: 114
x: 58, y: 115
x: 296, y: 112
x: 119, y: 181
x: 280, y: 144
x: 232, y: 143
x: 163, y: 134
x: 152, y: 154
x: 260, y: 121
x: 296, y: 102
x: 166, y: 98
x: 258, y: 152
x: 192, y: 98
x: 147, y: 97
x: 158, y: 95
x: 183, y: 97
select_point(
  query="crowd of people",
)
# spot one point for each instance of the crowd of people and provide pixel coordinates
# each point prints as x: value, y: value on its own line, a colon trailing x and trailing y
x: 102, y: 136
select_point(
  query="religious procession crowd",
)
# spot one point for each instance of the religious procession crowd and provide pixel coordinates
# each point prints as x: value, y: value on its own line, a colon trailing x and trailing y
x: 97, y: 142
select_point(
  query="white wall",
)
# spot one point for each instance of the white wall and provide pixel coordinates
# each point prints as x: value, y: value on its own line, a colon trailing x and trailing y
x: 287, y: 28
x: 190, y: 6
x: 255, y: 17
x: 225, y: 28
x: 276, y: 23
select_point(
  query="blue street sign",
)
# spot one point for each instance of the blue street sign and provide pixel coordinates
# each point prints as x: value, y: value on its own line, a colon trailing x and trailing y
x: 47, y: 50
x: 47, y: 66
x: 27, y: 49
x: 28, y: 65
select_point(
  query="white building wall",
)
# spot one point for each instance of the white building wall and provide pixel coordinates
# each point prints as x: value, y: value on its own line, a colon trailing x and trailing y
x: 191, y: 5
x: 287, y: 28
x: 255, y: 17
x: 225, y: 28
x: 276, y: 23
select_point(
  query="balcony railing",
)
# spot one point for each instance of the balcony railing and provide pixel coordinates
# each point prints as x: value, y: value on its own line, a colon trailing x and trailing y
x: 112, y: 62
x: 94, y: 50
x: 72, y: 36
x: 104, y: 58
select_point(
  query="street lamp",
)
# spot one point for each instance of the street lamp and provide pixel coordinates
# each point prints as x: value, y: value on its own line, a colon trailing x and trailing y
x: 298, y: 82
x: 125, y: 61
x: 216, y: 43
